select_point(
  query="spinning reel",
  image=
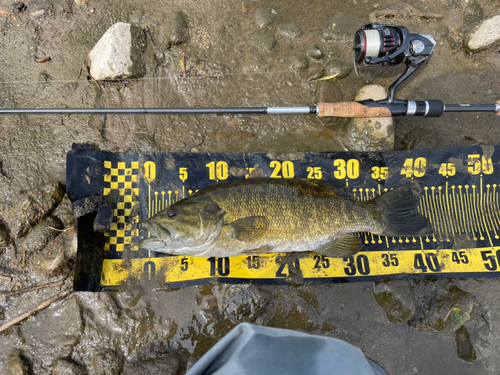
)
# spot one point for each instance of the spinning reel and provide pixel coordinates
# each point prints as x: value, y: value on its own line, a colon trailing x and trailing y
x: 389, y: 45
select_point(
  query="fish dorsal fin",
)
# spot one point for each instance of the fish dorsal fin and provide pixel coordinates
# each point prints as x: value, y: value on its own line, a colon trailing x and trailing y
x: 343, y: 247
x: 259, y: 251
x: 249, y: 228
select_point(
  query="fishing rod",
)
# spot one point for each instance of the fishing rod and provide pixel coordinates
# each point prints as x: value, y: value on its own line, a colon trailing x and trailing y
x: 374, y: 44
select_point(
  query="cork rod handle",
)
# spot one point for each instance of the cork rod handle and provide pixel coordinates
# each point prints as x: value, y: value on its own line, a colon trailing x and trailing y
x: 351, y: 109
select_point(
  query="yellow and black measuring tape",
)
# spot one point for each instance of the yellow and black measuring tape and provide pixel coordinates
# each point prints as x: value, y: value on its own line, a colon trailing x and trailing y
x: 459, y: 188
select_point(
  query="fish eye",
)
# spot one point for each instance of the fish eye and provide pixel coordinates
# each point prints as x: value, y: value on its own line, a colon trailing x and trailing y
x: 171, y: 213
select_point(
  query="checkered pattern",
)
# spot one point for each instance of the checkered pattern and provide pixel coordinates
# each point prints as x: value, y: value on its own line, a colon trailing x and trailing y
x: 124, y: 178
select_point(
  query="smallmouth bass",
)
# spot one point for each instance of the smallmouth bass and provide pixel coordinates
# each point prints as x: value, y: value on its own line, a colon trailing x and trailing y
x: 264, y: 215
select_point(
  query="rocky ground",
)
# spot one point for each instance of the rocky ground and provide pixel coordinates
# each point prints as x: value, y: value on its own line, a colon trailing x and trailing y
x: 224, y: 53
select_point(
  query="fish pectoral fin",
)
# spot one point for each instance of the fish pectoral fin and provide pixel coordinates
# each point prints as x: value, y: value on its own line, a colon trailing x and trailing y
x: 249, y: 228
x: 259, y: 251
x: 343, y: 247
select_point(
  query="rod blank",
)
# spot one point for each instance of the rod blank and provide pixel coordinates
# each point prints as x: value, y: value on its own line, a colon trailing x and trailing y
x: 133, y: 111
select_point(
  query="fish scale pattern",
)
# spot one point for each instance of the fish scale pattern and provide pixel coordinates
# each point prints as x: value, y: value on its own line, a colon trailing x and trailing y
x: 298, y: 211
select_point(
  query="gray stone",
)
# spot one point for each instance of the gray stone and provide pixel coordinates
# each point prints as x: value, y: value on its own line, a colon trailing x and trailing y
x: 165, y: 364
x: 32, y: 207
x: 17, y: 364
x: 341, y: 27
x: 58, y: 253
x: 44, y: 232
x: 465, y: 350
x: 242, y: 303
x: 290, y: 30
x: 314, y: 52
x: 315, y: 73
x: 64, y: 212
x: 396, y: 300
x: 339, y: 67
x: 472, y: 11
x: 178, y: 30
x: 65, y: 366
x: 107, y: 362
x: 264, y: 42
x: 484, y: 35
x: 299, y: 62
x: 265, y: 17
x: 54, y: 332
x: 117, y: 54
x: 369, y: 134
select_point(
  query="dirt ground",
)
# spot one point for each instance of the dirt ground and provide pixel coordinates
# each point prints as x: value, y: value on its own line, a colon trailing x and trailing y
x: 230, y: 61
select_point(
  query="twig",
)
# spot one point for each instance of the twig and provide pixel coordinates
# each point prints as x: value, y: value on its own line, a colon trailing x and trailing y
x: 184, y: 64
x: 14, y: 286
x: 93, y: 79
x: 395, y: 13
x: 60, y: 230
x: 79, y: 75
x: 36, y: 287
x: 6, y: 278
x: 40, y: 307
x: 447, y: 315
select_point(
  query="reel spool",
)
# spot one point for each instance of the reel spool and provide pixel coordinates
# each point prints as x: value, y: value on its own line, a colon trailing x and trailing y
x: 389, y: 45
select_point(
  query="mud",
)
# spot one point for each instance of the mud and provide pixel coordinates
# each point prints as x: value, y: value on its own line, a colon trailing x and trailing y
x: 224, y: 53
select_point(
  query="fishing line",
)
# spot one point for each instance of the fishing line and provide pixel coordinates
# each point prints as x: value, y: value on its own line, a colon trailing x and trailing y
x: 374, y: 44
x: 171, y: 77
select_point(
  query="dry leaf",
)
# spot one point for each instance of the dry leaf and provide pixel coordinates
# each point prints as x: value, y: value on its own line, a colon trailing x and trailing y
x: 329, y: 77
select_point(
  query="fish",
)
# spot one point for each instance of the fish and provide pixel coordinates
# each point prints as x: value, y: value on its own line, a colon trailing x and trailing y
x: 267, y: 215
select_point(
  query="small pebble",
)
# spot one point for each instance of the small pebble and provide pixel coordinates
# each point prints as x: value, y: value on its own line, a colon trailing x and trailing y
x: 314, y: 52
x: 265, y: 17
x: 299, y: 62
x: 264, y: 42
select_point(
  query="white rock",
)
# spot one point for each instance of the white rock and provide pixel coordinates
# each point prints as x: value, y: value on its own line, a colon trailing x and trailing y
x: 487, y: 33
x: 111, y: 56
x: 369, y: 134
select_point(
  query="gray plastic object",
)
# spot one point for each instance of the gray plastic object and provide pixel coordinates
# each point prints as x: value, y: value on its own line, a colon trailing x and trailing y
x: 250, y: 349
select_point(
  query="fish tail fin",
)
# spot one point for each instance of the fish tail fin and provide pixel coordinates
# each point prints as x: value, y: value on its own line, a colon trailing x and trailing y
x: 399, y: 213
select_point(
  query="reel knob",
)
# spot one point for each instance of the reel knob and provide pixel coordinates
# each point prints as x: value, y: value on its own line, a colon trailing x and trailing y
x: 417, y: 47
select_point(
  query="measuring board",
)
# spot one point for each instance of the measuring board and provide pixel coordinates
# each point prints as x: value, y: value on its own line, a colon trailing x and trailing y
x: 459, y: 194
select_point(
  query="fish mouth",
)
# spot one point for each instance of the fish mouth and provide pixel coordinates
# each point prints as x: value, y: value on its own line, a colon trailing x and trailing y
x: 156, y: 230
